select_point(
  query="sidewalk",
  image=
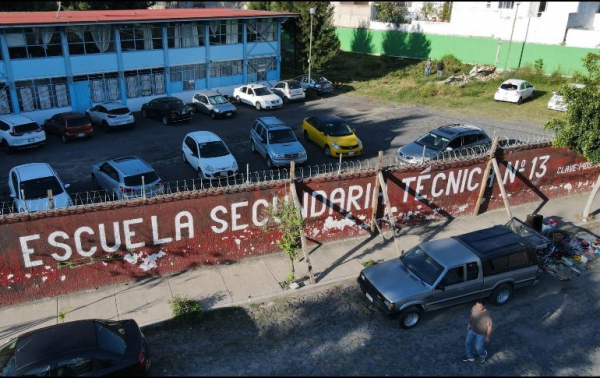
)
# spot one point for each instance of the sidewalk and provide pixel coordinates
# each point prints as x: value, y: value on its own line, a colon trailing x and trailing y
x: 258, y: 278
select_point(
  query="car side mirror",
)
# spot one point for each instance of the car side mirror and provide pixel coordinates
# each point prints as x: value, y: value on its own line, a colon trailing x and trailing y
x: 441, y: 287
x: 67, y: 186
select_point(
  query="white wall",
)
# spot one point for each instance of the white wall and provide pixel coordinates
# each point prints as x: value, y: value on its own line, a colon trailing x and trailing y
x: 349, y: 15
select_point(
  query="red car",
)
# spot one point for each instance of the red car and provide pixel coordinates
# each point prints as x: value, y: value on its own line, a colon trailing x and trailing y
x: 69, y: 126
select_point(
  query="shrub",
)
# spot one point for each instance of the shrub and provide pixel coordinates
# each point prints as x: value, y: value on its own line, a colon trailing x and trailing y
x: 369, y: 263
x: 538, y: 65
x: 392, y: 13
x: 182, y: 306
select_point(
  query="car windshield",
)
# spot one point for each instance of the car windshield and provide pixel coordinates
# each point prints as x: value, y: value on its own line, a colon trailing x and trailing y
x: 173, y: 104
x: 38, y: 187
x: 8, y: 365
x: 76, y: 122
x: 262, y: 91
x: 119, y: 111
x: 337, y: 128
x: 422, y: 265
x: 217, y: 100
x: 294, y: 85
x: 433, y: 141
x: 509, y: 87
x: 26, y: 127
x: 213, y: 149
x: 281, y: 136
x: 136, y: 180
x: 109, y: 337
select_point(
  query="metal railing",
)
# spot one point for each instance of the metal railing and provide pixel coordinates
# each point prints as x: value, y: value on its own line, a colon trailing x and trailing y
x: 251, y: 178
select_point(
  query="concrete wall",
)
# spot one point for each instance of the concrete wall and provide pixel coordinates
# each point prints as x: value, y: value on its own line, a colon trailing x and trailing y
x: 61, y: 251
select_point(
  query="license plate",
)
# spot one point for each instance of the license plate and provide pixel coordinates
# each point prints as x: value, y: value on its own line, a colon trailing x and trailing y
x: 351, y: 153
x: 369, y: 297
x: 80, y: 135
x: 31, y: 140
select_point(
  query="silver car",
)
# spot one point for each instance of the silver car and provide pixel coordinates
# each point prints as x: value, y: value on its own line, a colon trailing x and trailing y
x: 445, y: 141
x: 127, y: 177
x: 276, y: 142
x: 214, y: 104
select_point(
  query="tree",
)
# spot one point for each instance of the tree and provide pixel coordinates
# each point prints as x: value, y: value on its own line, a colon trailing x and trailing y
x: 579, y: 130
x: 325, y: 43
x: 392, y: 13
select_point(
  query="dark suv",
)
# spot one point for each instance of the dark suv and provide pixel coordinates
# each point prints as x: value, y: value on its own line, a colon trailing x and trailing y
x: 168, y: 109
x: 445, y: 141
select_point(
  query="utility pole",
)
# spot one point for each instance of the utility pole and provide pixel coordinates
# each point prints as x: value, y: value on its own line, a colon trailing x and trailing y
x: 511, y: 35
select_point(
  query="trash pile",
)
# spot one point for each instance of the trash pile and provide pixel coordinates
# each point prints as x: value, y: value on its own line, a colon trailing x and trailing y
x: 573, y: 250
x: 479, y: 73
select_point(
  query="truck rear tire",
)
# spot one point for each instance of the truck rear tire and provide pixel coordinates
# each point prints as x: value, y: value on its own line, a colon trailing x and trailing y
x: 502, y: 294
x: 410, y: 317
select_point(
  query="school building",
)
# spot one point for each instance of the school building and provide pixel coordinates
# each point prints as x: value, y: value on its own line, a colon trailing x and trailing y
x: 70, y: 60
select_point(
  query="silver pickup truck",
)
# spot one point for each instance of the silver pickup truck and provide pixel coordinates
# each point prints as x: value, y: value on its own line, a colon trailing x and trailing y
x: 486, y: 263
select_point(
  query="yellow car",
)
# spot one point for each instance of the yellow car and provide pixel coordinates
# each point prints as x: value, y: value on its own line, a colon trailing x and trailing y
x: 332, y: 134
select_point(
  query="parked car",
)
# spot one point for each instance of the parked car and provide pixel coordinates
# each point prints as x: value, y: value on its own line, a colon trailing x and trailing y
x: 557, y: 102
x: 289, y: 90
x: 514, y: 90
x: 18, y: 131
x: 168, y: 109
x: 319, y: 83
x: 90, y: 347
x: 332, y: 134
x: 208, y: 155
x: 111, y: 115
x: 28, y: 185
x: 258, y: 96
x: 276, y: 142
x: 69, y: 126
x: 449, y: 140
x: 127, y: 177
x: 214, y: 104
x: 487, y: 263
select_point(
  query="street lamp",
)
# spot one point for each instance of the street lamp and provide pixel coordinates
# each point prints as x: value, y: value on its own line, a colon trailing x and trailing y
x: 312, y: 12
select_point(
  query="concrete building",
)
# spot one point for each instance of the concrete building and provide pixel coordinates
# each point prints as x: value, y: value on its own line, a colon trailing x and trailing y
x: 53, y: 62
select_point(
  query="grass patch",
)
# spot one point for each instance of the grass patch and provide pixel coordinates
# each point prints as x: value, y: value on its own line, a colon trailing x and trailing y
x: 402, y: 81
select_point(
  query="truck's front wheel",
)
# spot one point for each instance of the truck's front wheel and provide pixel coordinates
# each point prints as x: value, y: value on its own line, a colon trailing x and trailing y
x: 502, y: 294
x: 410, y: 317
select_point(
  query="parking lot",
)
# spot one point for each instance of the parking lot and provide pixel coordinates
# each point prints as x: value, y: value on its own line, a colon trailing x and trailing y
x: 381, y: 126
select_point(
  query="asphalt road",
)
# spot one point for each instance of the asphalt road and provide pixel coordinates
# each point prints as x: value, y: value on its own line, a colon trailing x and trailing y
x: 380, y: 126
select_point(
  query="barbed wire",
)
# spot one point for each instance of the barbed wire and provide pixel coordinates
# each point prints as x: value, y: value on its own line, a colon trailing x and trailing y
x: 341, y: 167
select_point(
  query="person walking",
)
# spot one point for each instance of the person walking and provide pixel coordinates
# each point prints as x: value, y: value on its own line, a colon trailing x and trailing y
x: 440, y: 67
x: 479, y: 331
x: 428, y: 67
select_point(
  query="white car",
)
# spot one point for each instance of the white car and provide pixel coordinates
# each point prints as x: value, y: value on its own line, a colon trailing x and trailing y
x: 110, y: 115
x: 557, y: 101
x: 208, y: 155
x: 19, y: 131
x: 258, y: 96
x: 514, y: 90
x: 29, y: 184
x: 289, y: 90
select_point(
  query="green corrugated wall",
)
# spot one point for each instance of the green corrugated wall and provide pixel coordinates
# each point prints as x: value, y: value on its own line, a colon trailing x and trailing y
x: 476, y: 50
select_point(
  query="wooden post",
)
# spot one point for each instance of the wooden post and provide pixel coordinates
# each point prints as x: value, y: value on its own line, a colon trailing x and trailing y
x: 298, y: 205
x: 590, y: 201
x: 50, y: 199
x: 501, y: 185
x: 486, y: 175
x: 24, y: 200
x: 375, y: 199
x: 388, y: 208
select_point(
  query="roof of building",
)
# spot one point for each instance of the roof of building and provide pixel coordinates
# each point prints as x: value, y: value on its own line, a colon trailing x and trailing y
x: 11, y: 19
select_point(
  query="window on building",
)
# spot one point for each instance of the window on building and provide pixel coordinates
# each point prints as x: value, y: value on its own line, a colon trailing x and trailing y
x: 103, y: 87
x: 42, y: 94
x: 5, y: 104
x: 27, y: 43
x: 506, y: 4
x: 141, y: 83
x: 225, y: 32
x: 188, y: 74
x: 140, y: 37
x: 542, y: 8
x: 262, y: 29
x: 230, y: 68
x: 405, y: 4
x: 488, y: 4
x: 185, y: 34
x: 94, y: 39
x: 261, y: 66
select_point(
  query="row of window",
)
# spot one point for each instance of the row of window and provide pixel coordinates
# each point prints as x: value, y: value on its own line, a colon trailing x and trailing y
x: 26, y: 43
x: 53, y: 93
